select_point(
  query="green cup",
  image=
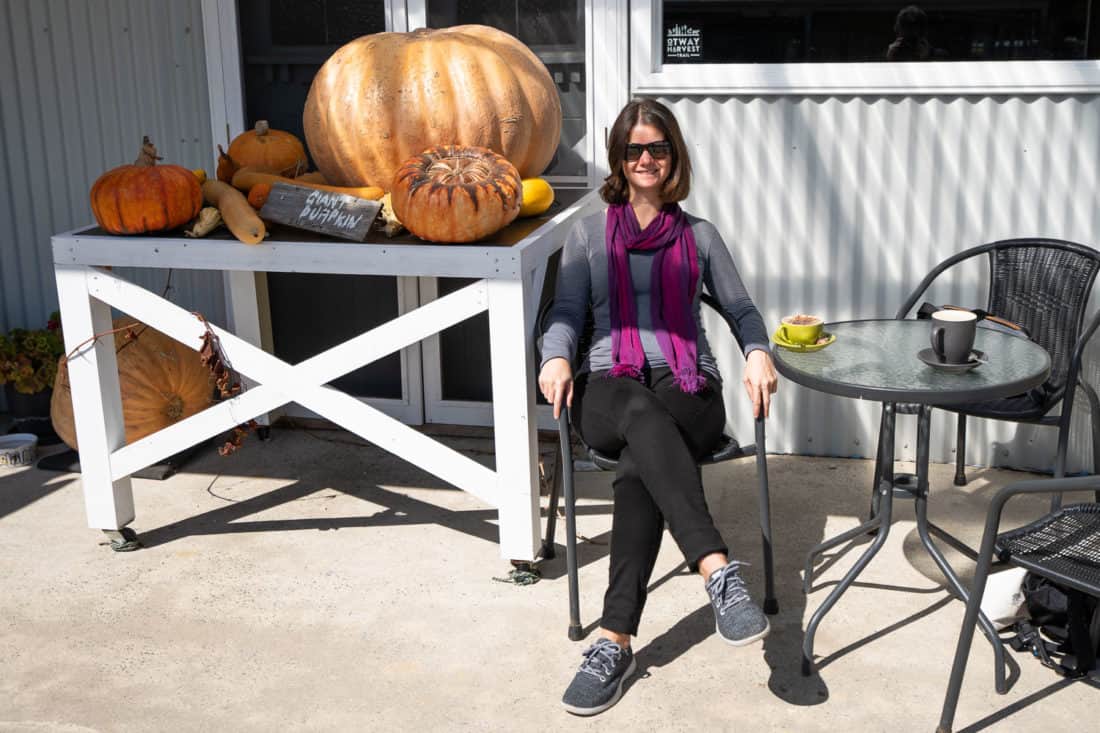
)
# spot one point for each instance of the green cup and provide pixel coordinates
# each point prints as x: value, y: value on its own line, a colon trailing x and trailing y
x: 801, y: 329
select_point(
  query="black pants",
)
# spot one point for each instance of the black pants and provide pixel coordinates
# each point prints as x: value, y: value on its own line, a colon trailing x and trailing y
x: 658, y: 432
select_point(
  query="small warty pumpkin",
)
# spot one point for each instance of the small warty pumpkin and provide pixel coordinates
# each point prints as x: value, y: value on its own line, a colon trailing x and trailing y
x: 267, y: 149
x: 385, y: 97
x: 161, y: 381
x: 450, y: 193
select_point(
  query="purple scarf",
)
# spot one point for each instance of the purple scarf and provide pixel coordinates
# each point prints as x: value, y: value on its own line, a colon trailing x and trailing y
x: 675, y: 271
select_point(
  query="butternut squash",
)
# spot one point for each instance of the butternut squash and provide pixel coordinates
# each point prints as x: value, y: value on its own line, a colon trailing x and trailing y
x: 245, y: 178
x: 311, y: 177
x: 257, y: 195
x: 239, y: 217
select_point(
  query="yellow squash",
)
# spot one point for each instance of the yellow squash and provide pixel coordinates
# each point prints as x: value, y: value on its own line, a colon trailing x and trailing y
x: 537, y: 197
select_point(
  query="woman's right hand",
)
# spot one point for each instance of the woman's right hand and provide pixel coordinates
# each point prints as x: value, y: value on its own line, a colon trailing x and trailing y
x: 556, y: 383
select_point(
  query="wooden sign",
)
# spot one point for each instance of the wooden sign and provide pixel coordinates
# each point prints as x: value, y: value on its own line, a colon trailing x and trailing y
x: 338, y: 214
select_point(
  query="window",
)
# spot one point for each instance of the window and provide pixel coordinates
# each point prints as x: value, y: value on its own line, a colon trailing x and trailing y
x: 554, y: 30
x: 323, y: 22
x: 848, y: 46
x: 752, y: 31
x: 283, y: 44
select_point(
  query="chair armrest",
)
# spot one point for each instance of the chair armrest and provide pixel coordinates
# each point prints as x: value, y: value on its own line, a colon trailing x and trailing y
x: 761, y: 448
x: 1079, y: 353
x: 565, y: 438
x: 909, y: 302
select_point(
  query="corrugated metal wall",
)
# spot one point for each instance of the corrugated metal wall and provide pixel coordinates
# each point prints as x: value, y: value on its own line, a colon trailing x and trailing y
x: 838, y: 206
x: 831, y: 205
x: 83, y: 80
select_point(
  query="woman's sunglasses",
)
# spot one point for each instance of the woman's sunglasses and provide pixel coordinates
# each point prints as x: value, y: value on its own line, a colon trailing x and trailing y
x: 659, y: 150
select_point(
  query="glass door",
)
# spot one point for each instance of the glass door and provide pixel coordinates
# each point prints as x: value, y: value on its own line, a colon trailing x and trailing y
x: 283, y: 45
x: 457, y: 387
x: 446, y: 378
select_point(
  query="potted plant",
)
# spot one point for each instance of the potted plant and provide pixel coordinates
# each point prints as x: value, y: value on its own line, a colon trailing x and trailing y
x: 28, y: 366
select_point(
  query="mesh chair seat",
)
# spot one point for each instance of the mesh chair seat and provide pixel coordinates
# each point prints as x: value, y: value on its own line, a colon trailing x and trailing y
x: 1021, y: 408
x: 727, y: 449
x: 1064, y: 545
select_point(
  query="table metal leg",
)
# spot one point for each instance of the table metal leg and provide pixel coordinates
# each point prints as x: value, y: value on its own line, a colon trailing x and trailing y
x: 886, y: 492
x: 920, y: 496
x: 880, y: 461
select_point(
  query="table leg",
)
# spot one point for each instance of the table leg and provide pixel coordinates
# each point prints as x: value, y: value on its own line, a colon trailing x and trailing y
x: 882, y: 463
x: 97, y: 402
x: 511, y: 348
x: 920, y: 497
x: 882, y: 517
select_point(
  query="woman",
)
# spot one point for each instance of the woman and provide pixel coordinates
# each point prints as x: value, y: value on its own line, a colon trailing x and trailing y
x: 648, y: 389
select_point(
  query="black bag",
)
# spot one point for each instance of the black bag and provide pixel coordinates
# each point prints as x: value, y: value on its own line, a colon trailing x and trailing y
x: 1064, y: 629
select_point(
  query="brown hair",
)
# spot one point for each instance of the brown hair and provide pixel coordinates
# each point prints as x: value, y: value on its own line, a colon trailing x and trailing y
x: 615, y: 189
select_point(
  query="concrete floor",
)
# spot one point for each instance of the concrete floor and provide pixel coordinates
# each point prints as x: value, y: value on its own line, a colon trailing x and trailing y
x: 313, y: 583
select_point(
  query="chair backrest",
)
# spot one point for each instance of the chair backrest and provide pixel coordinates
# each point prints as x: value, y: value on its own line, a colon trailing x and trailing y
x: 583, y: 343
x: 1044, y: 285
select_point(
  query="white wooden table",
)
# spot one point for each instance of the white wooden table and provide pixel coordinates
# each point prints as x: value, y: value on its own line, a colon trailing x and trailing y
x: 509, y: 287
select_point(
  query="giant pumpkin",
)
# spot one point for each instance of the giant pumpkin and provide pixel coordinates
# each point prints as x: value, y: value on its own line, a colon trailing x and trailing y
x: 161, y: 381
x: 383, y: 98
x: 145, y: 197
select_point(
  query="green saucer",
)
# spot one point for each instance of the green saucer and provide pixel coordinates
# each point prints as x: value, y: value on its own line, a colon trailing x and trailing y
x: 831, y: 337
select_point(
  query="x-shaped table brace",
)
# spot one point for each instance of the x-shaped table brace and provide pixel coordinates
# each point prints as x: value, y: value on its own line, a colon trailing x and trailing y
x: 87, y: 294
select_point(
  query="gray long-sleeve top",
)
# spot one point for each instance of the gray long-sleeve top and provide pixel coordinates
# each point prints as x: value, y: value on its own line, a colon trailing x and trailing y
x: 583, y: 283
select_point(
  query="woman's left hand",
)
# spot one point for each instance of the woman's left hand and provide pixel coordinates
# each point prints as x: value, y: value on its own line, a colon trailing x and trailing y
x: 760, y: 381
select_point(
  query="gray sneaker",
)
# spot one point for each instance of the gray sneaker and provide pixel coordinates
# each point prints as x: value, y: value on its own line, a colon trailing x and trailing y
x: 599, y: 682
x: 736, y: 618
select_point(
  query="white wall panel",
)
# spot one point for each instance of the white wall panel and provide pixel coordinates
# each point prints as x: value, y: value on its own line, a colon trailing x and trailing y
x: 83, y: 80
x: 838, y: 206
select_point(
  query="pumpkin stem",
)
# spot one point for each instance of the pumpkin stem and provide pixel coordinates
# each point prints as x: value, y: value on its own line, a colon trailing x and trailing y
x: 148, y: 155
x: 175, y: 408
x: 262, y: 127
x: 226, y: 166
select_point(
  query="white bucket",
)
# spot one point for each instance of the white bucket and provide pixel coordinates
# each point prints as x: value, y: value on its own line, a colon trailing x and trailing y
x: 18, y: 449
x: 1003, y: 602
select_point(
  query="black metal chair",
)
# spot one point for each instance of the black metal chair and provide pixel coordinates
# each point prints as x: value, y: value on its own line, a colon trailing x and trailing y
x: 727, y: 449
x: 1063, y: 546
x: 1042, y: 285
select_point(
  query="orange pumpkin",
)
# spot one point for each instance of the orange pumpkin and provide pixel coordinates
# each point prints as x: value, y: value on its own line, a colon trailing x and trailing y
x: 161, y: 380
x: 266, y: 149
x: 385, y: 97
x: 145, y: 197
x: 450, y: 193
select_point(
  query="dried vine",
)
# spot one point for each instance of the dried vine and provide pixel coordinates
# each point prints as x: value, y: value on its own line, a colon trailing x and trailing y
x: 225, y: 379
x: 131, y: 334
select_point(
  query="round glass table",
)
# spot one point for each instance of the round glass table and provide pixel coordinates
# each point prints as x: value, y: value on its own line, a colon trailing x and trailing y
x: 877, y: 360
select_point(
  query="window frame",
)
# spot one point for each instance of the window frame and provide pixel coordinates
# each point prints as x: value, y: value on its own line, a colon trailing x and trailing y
x: 648, y: 75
